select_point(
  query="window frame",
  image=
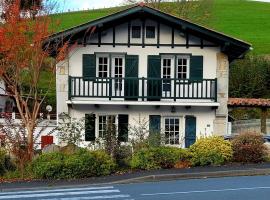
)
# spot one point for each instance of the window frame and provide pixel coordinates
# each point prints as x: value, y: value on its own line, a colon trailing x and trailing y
x: 168, y: 76
x: 100, y: 133
x: 133, y: 34
x: 150, y: 35
x: 187, y: 72
x: 98, y: 71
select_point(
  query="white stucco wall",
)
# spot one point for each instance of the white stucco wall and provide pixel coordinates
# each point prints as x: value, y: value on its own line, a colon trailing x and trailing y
x: 204, y: 116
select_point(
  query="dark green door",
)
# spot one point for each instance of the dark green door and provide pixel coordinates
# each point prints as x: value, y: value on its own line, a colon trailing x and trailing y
x: 190, y: 132
x: 154, y: 84
x: 131, y: 75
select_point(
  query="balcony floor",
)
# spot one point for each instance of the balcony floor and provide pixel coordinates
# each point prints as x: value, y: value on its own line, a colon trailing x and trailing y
x: 197, y: 103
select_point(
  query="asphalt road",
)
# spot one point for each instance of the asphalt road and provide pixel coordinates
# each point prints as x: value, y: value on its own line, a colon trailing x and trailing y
x: 238, y: 188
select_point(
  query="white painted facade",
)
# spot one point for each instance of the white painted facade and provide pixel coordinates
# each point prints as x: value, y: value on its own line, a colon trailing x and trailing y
x: 211, y: 116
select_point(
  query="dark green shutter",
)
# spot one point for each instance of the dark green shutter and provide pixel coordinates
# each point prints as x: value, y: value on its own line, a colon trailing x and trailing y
x: 190, y: 132
x: 90, y: 127
x: 89, y: 66
x: 123, y: 128
x: 154, y: 85
x: 196, y: 67
x: 131, y: 71
x: 154, y: 124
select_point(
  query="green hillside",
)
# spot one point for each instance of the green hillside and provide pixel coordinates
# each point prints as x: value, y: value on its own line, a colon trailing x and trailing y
x: 246, y: 20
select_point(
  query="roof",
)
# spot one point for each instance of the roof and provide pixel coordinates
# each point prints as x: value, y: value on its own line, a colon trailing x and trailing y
x: 233, y: 47
x: 245, y: 102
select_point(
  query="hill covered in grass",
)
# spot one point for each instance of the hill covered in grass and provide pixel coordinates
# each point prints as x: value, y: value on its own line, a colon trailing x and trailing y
x: 246, y: 20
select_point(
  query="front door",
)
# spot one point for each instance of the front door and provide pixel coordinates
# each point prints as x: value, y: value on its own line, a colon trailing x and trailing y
x: 190, y: 132
x: 118, y: 71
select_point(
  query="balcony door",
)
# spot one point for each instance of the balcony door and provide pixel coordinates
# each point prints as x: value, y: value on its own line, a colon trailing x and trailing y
x: 118, y: 73
x: 167, y: 73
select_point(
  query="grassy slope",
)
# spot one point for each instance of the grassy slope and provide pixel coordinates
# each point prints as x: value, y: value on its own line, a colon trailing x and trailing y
x: 246, y: 20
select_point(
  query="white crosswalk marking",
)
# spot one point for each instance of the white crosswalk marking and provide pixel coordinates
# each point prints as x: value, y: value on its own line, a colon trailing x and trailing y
x: 58, y: 190
x: 90, y: 193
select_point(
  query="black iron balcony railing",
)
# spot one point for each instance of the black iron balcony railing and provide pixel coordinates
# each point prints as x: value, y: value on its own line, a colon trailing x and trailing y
x: 143, y: 89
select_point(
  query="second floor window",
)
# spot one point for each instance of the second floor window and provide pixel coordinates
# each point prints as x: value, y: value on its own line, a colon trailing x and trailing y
x: 166, y: 73
x: 182, y: 68
x: 103, y: 67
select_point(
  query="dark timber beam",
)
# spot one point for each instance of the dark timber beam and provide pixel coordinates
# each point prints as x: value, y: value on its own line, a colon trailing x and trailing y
x: 114, y: 36
x: 143, y: 33
x: 158, y: 34
x: 172, y: 37
x: 99, y: 38
x: 129, y: 26
x: 201, y: 43
x: 187, y: 40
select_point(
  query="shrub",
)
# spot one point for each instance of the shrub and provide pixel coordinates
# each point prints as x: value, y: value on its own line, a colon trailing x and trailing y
x: 123, y: 156
x: 48, y: 165
x: 81, y: 164
x: 157, y: 157
x: 211, y: 151
x: 249, y: 147
x: 5, y: 163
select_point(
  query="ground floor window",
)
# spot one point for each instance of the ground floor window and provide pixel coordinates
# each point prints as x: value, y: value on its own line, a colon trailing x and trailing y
x: 103, y: 122
x: 172, y: 130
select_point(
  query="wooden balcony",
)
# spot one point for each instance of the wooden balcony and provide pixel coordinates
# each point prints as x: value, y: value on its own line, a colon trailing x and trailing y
x: 142, y: 89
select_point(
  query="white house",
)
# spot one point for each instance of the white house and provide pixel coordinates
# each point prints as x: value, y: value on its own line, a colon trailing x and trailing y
x: 141, y: 63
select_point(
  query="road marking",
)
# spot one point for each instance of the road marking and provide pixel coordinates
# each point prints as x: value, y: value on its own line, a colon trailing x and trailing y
x: 92, y: 198
x: 206, y: 191
x: 49, y: 194
x: 56, y: 190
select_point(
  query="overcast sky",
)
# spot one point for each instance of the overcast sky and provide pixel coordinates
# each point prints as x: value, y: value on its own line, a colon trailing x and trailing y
x: 85, y: 4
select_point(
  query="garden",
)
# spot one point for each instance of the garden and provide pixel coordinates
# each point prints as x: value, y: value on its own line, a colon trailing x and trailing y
x: 72, y: 162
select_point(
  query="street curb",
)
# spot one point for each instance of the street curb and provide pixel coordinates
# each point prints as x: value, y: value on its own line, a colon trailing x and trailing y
x: 195, y: 175
x: 141, y: 179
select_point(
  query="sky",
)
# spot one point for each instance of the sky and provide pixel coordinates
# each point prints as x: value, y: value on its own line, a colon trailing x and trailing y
x: 65, y: 5
x: 85, y: 4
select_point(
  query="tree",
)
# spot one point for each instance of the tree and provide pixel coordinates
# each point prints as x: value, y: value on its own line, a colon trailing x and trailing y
x: 249, y: 77
x: 23, y: 57
x: 195, y: 10
x: 30, y: 6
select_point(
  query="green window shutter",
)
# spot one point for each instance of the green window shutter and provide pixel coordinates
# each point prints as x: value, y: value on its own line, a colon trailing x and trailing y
x: 154, y: 124
x: 190, y: 132
x: 154, y: 71
x: 90, y: 134
x: 131, y: 71
x: 89, y: 65
x: 123, y: 128
x: 196, y: 67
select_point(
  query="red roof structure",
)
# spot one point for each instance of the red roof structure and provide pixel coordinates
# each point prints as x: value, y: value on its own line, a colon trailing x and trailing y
x: 246, y: 102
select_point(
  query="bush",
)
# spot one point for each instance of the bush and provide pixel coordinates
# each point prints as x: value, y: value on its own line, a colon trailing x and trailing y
x: 81, y: 164
x: 249, y: 147
x: 123, y: 156
x: 5, y: 163
x: 48, y: 165
x: 158, y: 157
x: 211, y: 151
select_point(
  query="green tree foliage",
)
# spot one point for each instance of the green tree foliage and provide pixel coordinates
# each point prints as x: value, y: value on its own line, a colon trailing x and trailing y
x: 250, y: 77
